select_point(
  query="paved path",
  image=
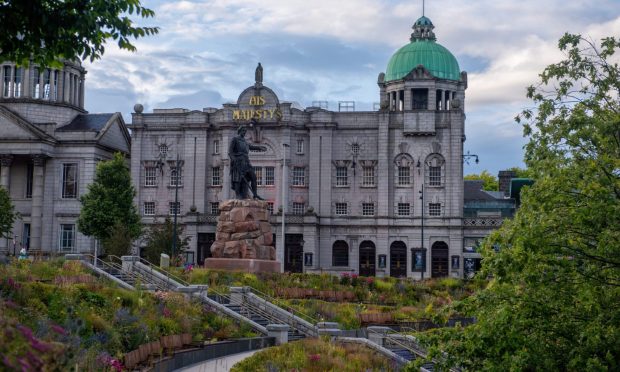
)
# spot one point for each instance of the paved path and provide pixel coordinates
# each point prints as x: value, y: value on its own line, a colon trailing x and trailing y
x: 223, y: 364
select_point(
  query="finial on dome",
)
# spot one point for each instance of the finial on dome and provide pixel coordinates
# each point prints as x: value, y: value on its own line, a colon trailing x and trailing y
x: 423, y: 30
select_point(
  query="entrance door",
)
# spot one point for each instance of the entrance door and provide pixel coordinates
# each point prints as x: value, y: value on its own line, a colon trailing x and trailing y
x: 439, y: 260
x: 203, y: 246
x: 398, y: 260
x: 367, y: 258
x: 293, y: 253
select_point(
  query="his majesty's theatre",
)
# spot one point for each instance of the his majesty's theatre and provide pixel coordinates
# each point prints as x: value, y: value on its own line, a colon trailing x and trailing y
x: 375, y: 193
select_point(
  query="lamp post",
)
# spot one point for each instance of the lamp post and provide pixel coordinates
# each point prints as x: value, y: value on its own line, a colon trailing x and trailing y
x: 468, y: 156
x: 176, y: 206
x: 422, y: 224
x: 283, y: 203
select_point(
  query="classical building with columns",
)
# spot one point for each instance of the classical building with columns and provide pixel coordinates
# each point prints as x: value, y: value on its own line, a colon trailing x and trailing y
x: 49, y: 147
x: 375, y: 192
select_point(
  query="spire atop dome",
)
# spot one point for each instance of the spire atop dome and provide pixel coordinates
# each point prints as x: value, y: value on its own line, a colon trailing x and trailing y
x: 423, y: 30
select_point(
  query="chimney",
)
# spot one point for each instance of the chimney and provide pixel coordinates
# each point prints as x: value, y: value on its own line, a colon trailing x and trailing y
x: 504, y: 178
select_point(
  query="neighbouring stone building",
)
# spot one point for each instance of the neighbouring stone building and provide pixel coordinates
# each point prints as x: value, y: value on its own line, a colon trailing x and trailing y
x: 376, y: 193
x: 49, y: 147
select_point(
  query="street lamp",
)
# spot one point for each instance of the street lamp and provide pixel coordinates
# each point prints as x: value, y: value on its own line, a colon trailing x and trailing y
x: 283, y: 202
x: 176, y: 206
x: 468, y: 156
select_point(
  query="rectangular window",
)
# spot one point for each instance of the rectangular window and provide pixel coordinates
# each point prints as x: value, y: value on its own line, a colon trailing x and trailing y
x: 149, y: 208
x: 7, y: 81
x: 270, y: 207
x: 341, y: 176
x: 26, y: 236
x: 216, y: 146
x: 434, y: 176
x: 46, y: 84
x: 299, y: 208
x: 368, y: 209
x: 17, y: 85
x: 215, y: 208
x: 150, y: 176
x: 176, y: 176
x: 434, y: 209
x: 341, y: 209
x: 55, y: 91
x: 216, y: 177
x: 270, y: 178
x: 404, y: 176
x: 69, y: 181
x: 299, y: 176
x: 29, y: 177
x: 36, y: 84
x: 259, y: 175
x: 67, y: 237
x: 404, y: 209
x: 368, y: 176
x: 174, y: 208
x: 300, y: 146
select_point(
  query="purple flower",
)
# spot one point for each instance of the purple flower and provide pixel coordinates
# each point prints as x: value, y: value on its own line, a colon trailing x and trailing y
x: 58, y: 329
x: 27, y: 332
x: 11, y: 305
x: 39, y: 346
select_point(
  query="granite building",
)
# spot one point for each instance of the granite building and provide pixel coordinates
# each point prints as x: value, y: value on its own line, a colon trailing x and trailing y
x: 49, y: 147
x: 375, y: 193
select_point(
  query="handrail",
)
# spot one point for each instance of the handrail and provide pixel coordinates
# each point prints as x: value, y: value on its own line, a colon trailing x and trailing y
x: 396, y: 341
x: 249, y: 306
x: 284, y: 306
x: 136, y: 274
x: 109, y: 265
x: 168, y: 274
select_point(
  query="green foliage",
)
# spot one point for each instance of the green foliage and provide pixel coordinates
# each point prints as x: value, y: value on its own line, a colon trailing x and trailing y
x: 159, y: 239
x: 109, y: 202
x: 521, y: 173
x: 7, y: 213
x: 119, y: 241
x: 490, y: 182
x: 68, y: 29
x: 554, y: 301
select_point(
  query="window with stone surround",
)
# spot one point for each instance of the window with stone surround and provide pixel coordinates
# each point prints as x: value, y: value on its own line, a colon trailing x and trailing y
x: 46, y: 83
x: 215, y: 208
x: 342, y: 178
x: 259, y: 175
x: 29, y: 178
x: 299, y: 176
x: 270, y: 178
x: 270, y: 207
x: 36, y: 83
x: 176, y: 176
x: 149, y: 208
x: 404, y: 176
x: 150, y: 176
x: 434, y: 176
x: 299, y: 208
x: 403, y: 209
x: 342, y: 209
x: 216, y: 176
x: 434, y: 209
x: 216, y: 147
x: 69, y: 180
x: 67, y: 238
x: 368, y: 176
x: 6, y: 92
x: 174, y: 208
x: 434, y: 170
x: 300, y: 146
x: 368, y: 209
x: 340, y: 254
x: 55, y: 91
x: 17, y: 82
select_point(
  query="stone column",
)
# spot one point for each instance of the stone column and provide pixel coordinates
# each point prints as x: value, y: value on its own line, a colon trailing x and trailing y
x: 279, y: 331
x: 36, y: 226
x: 5, y: 171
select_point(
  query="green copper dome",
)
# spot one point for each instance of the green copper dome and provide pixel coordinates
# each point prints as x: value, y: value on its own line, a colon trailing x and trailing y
x: 423, y: 50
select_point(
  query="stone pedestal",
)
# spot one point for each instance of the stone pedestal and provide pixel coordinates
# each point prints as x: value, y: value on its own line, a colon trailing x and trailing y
x: 243, y: 238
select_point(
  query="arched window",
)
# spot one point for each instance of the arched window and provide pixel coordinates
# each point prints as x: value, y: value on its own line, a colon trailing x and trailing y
x: 403, y: 170
x: 340, y: 253
x: 435, y: 170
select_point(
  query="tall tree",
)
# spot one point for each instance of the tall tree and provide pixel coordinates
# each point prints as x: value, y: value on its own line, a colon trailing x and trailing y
x: 109, y: 201
x: 490, y: 182
x: 159, y: 239
x: 7, y: 213
x: 46, y: 30
x: 553, y: 302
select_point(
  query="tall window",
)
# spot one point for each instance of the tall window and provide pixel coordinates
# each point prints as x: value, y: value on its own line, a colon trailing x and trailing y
x: 259, y: 175
x: 174, y: 208
x: 17, y: 85
x: 434, y: 209
x: 69, y: 181
x: 7, y: 81
x: 150, y: 176
x: 36, y: 84
x: 216, y: 177
x: 176, y: 176
x: 404, y: 209
x: 341, y: 176
x: 340, y: 253
x: 270, y: 178
x: 404, y: 176
x: 46, y: 84
x: 215, y: 208
x: 216, y: 146
x: 299, y: 208
x: 149, y: 208
x: 55, y: 90
x: 26, y: 236
x: 368, y: 209
x: 67, y: 237
x: 434, y: 176
x: 341, y: 209
x: 300, y: 146
x: 299, y: 176
x: 368, y: 176
x: 29, y: 177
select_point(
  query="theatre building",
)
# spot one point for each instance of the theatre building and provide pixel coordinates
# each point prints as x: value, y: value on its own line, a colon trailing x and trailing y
x: 375, y: 193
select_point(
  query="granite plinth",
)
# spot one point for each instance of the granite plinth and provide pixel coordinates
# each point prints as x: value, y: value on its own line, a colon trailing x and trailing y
x: 243, y: 264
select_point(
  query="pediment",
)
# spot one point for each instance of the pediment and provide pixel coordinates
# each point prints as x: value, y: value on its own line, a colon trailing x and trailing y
x: 14, y: 127
x: 115, y: 134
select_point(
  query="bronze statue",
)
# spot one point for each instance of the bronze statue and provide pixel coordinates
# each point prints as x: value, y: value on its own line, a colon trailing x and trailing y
x: 258, y: 74
x: 241, y: 171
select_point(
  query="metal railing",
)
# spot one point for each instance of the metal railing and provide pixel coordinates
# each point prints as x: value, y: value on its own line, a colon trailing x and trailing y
x: 145, y: 279
x: 284, y: 306
x: 102, y: 265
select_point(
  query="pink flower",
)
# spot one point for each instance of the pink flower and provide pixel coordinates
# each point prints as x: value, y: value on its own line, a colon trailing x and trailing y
x: 314, y: 357
x: 58, y: 329
x: 167, y: 313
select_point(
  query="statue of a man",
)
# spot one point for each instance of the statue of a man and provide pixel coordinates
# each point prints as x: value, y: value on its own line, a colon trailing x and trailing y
x: 258, y: 74
x: 241, y: 171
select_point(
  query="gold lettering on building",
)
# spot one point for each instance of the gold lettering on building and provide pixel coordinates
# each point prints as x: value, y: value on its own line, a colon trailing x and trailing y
x: 257, y: 113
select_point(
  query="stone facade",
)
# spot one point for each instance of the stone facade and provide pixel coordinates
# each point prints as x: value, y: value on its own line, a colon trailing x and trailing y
x: 49, y: 148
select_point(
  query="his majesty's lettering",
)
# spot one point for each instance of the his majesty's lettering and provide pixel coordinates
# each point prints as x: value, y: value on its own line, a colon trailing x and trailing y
x: 258, y: 112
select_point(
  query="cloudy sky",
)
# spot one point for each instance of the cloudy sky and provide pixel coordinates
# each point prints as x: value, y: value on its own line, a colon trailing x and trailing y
x: 206, y: 52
